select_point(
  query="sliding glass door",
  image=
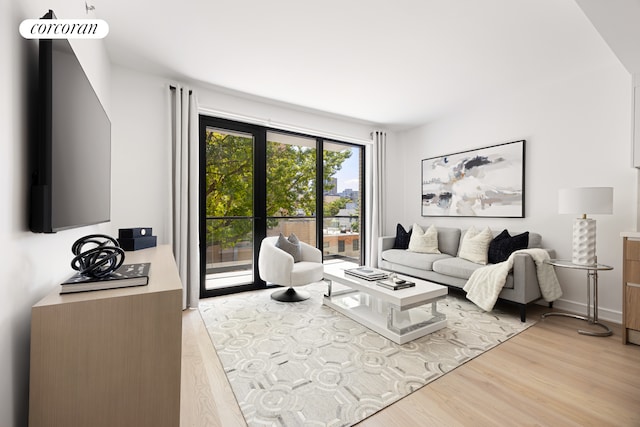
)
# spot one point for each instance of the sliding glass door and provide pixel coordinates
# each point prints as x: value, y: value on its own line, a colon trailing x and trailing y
x: 291, y: 186
x: 228, y: 174
x: 257, y: 182
x: 343, y: 201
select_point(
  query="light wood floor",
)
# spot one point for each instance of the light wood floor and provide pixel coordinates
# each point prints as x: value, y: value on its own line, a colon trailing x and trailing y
x: 549, y: 375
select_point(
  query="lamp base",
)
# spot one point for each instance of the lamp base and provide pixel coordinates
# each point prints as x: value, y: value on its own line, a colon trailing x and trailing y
x: 584, y: 241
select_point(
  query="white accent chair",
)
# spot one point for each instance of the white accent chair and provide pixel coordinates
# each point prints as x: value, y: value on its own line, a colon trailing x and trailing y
x: 276, y: 266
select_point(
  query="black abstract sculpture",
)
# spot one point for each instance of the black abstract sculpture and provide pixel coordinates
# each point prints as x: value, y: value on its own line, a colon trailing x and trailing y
x: 102, y: 257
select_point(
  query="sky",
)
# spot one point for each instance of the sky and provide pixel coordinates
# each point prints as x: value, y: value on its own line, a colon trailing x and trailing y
x: 348, y: 175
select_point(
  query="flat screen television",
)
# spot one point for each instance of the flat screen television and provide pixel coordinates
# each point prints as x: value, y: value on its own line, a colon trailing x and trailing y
x: 71, y: 163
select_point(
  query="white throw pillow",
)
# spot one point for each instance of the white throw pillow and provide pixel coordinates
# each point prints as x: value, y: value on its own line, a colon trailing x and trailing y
x: 475, y: 245
x: 425, y: 242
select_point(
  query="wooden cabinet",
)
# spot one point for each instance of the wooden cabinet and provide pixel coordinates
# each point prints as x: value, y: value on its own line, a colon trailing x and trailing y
x: 631, y: 291
x: 110, y: 357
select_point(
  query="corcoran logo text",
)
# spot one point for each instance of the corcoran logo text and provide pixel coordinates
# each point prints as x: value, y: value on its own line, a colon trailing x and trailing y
x: 64, y: 29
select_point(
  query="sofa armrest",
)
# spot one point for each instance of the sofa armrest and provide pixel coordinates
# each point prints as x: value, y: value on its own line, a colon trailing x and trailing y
x: 384, y: 243
x: 525, y: 278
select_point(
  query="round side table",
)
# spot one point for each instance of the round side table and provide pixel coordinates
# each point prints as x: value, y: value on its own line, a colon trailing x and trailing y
x: 592, y: 279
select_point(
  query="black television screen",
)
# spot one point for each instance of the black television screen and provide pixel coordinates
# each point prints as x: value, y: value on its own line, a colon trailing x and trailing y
x: 71, y: 178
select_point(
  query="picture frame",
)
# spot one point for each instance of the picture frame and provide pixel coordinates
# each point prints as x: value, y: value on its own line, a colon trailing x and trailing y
x: 484, y: 182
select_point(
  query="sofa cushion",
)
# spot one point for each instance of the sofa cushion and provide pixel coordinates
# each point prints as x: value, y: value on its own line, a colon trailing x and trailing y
x: 425, y: 242
x: 402, y: 238
x: 456, y: 267
x: 412, y: 259
x: 462, y: 269
x: 503, y: 245
x: 475, y: 245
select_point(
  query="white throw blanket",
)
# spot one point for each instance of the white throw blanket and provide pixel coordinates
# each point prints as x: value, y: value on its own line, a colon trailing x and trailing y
x: 485, y: 283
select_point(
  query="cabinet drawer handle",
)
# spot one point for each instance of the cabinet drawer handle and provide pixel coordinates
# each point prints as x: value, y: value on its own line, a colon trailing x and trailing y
x: 633, y: 285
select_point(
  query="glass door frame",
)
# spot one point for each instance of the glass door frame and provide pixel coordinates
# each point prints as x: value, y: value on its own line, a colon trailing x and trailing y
x: 362, y: 194
x: 259, y: 199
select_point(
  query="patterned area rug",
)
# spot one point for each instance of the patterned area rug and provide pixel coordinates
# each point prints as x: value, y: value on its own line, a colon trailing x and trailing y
x: 303, y: 364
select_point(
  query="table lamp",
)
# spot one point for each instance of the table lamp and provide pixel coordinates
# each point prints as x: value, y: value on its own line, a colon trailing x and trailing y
x: 585, y: 200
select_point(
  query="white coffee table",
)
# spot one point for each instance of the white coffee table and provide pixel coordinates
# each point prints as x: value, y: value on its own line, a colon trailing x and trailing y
x: 397, y: 315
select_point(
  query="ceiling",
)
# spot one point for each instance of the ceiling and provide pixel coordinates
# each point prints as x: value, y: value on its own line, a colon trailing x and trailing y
x: 398, y: 64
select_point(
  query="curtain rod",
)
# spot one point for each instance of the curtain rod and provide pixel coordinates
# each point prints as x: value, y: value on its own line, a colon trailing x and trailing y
x: 283, y: 126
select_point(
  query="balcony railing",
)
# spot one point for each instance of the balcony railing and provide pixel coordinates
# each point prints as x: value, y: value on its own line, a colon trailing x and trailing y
x: 229, y: 246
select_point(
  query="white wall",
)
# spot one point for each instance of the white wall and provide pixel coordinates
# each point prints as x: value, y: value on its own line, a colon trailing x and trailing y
x: 32, y: 264
x: 141, y: 153
x: 577, y: 130
x: 273, y: 114
x: 141, y: 149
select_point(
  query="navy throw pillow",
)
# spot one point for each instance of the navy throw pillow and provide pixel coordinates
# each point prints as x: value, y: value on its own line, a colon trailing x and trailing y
x: 503, y: 245
x: 402, y: 238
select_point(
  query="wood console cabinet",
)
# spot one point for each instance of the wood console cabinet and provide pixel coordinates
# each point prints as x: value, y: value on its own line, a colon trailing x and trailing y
x: 110, y: 357
x: 631, y: 291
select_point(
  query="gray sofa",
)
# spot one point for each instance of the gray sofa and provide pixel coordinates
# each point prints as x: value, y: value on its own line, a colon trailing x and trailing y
x: 448, y: 269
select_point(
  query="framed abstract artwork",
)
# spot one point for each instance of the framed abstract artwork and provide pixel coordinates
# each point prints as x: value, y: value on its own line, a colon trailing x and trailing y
x: 487, y: 182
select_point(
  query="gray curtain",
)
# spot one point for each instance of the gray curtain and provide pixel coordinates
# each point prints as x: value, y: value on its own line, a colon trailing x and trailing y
x: 184, y: 191
x: 378, y: 191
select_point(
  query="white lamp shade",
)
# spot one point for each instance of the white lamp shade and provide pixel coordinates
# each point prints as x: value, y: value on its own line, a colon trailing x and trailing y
x: 585, y: 200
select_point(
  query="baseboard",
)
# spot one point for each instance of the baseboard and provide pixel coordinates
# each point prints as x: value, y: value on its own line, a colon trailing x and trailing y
x: 581, y: 309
